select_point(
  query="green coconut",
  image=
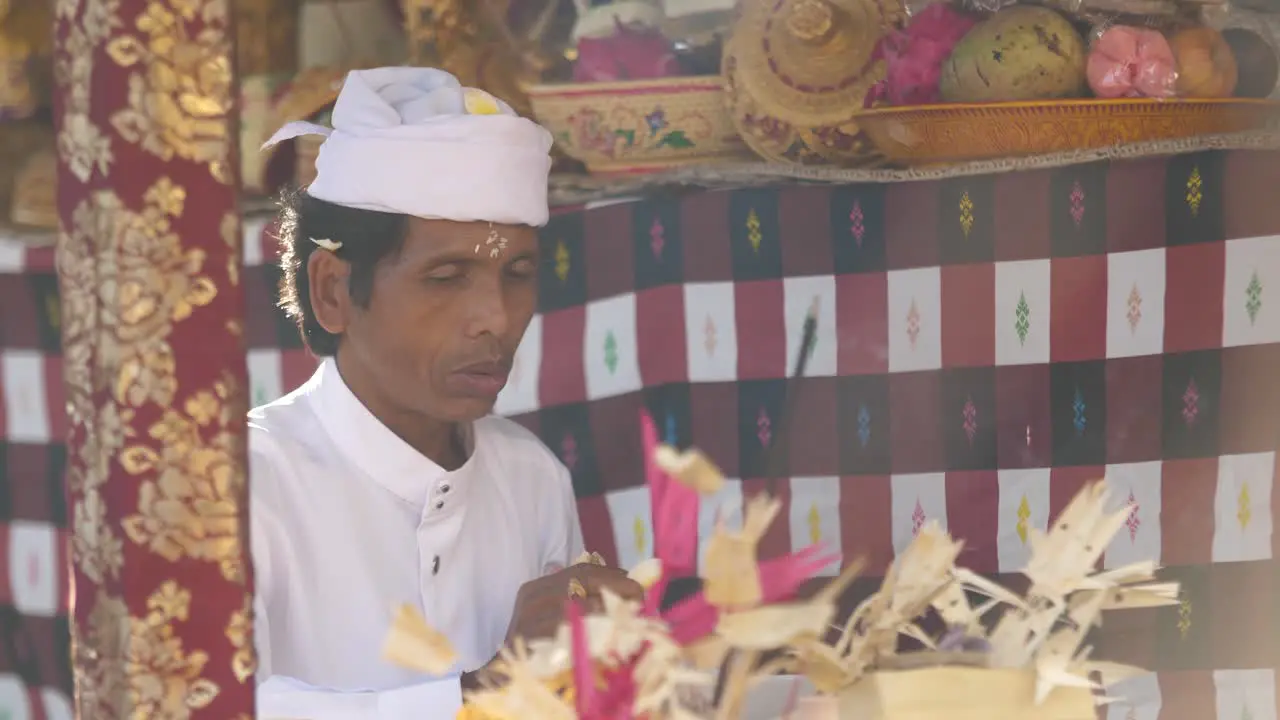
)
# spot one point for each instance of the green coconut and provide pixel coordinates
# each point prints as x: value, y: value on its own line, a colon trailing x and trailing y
x: 1024, y: 52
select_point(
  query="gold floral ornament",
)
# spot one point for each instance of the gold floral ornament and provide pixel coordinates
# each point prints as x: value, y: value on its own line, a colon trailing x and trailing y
x: 180, y: 93
x: 136, y: 667
x: 244, y: 662
x: 125, y: 280
x: 187, y: 503
x: 96, y: 548
x: 155, y: 651
x: 231, y: 234
x: 149, y: 283
x: 84, y: 25
x: 86, y: 252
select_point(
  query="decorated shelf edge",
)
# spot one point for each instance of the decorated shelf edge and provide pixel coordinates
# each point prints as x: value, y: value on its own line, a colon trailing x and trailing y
x: 568, y: 192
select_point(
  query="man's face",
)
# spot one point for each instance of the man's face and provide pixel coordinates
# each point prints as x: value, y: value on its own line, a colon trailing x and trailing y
x: 446, y: 316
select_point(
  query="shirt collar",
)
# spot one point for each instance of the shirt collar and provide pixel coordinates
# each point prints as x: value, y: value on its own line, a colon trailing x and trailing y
x: 385, y: 458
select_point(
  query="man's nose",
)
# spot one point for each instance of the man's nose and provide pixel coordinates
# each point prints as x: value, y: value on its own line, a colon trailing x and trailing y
x: 487, y: 307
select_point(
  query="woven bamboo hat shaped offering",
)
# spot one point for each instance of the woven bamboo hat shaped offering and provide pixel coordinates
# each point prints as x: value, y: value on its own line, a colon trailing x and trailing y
x: 809, y: 63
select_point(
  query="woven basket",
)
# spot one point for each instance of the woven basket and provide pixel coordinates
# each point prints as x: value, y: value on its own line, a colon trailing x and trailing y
x: 35, y: 192
x: 639, y: 126
x: 772, y: 139
x: 807, y: 65
x: 257, y: 123
x: 309, y: 96
x: 308, y: 147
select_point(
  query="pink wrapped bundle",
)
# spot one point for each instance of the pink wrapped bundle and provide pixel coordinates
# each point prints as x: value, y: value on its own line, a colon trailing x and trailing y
x: 1131, y: 61
x: 632, y: 52
x: 913, y: 57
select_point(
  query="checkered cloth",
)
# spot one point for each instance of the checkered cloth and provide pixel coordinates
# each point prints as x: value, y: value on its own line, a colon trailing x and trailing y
x: 35, y: 659
x: 985, y: 346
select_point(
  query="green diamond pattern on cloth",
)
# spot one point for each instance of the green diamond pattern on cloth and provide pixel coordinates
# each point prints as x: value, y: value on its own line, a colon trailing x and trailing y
x: 1023, y: 313
x: 611, y: 352
x: 1253, y: 294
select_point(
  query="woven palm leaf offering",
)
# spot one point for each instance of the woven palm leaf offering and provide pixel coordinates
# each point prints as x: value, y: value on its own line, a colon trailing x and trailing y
x: 700, y: 657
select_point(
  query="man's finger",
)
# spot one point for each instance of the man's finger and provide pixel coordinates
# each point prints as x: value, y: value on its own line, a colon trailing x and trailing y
x: 618, y: 584
x: 590, y: 574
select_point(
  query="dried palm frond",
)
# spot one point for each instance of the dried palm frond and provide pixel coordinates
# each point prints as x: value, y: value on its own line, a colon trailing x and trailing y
x: 633, y: 660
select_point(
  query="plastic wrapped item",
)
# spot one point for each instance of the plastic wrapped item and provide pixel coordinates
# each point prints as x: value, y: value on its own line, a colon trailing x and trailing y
x: 1131, y: 61
x: 1255, y: 42
x: 599, y: 19
x: 914, y: 56
x: 1089, y: 10
x: 987, y: 7
x: 1206, y: 63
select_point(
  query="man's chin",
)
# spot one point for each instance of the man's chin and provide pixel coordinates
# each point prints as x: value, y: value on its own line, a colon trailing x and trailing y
x: 469, y: 409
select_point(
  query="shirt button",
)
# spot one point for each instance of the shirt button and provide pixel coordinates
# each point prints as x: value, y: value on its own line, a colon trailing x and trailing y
x: 440, y: 505
x: 444, y: 488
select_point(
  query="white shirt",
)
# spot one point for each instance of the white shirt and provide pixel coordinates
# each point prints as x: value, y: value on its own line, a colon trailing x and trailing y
x: 348, y: 521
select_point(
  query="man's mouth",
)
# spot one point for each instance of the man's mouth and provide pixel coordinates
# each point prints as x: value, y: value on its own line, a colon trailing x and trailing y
x: 485, y: 379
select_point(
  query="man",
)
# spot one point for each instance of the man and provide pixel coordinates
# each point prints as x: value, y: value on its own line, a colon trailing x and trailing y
x: 410, y: 266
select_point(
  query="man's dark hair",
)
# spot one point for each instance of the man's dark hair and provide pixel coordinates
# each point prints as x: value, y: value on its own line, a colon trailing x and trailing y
x: 368, y: 237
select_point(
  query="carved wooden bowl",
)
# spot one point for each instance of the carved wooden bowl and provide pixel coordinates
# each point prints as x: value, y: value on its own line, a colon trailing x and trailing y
x: 958, y: 132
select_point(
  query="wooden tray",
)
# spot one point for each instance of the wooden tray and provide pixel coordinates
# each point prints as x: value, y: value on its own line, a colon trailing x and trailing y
x: 957, y: 132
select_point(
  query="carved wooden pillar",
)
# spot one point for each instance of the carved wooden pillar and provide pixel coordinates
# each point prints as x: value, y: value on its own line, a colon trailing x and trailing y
x: 154, y: 359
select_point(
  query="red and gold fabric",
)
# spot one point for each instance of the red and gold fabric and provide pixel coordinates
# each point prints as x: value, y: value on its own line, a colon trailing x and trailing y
x: 153, y: 359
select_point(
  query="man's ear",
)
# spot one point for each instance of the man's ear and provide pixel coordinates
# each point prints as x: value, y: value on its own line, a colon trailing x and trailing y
x: 327, y: 281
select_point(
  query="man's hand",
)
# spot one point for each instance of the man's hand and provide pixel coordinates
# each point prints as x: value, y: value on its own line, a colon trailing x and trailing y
x: 540, y: 604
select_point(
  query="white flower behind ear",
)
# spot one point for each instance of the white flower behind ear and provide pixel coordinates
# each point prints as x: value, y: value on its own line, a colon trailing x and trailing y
x: 327, y: 244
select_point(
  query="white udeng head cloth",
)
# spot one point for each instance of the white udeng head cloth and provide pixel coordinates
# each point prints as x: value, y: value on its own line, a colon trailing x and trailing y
x: 414, y: 141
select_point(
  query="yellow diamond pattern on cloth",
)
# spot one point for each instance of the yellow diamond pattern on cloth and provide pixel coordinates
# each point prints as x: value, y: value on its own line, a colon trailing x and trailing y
x: 815, y: 525
x: 966, y: 213
x: 1244, y: 506
x: 754, y: 236
x: 479, y: 102
x: 639, y: 528
x: 53, y: 309
x: 1195, y: 191
x: 1184, y: 617
x: 562, y: 261
x: 1024, y: 516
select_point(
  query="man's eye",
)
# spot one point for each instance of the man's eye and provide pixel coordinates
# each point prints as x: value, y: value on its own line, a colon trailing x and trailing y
x: 522, y: 269
x: 445, y: 274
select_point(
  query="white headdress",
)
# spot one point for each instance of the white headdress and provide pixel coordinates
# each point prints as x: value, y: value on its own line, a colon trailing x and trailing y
x: 414, y: 141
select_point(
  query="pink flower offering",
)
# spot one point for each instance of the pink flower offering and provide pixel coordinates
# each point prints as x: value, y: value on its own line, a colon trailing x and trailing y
x: 632, y: 52
x: 675, y: 518
x: 913, y: 57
